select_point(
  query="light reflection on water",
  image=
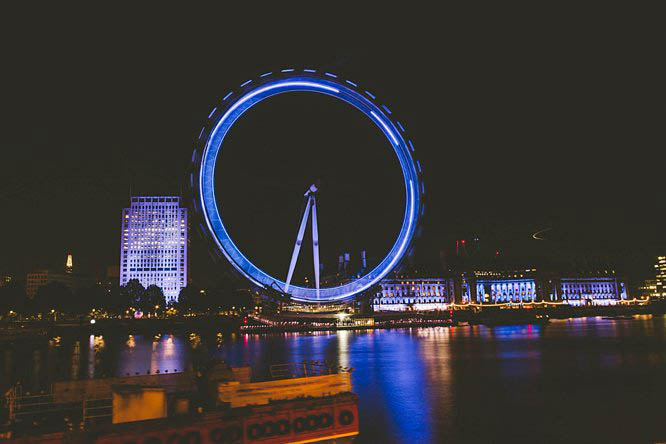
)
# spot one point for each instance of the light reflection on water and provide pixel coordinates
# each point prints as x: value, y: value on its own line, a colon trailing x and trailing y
x: 568, y: 381
x: 142, y: 354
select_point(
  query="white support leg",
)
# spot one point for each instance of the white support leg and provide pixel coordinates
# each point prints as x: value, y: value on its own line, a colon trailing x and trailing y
x: 299, y: 241
x: 315, y: 242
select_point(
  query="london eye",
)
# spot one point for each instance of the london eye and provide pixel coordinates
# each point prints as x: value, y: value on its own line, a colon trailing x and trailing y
x: 211, y: 141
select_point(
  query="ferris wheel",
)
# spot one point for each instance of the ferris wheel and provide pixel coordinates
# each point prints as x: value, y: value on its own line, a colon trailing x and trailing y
x: 211, y: 141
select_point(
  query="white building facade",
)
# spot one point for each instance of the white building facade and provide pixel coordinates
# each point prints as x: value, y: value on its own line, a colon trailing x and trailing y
x: 154, y: 244
x: 416, y: 294
x: 592, y: 291
x: 488, y: 287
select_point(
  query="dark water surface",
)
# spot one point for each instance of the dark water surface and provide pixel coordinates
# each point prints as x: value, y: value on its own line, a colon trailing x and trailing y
x: 579, y: 380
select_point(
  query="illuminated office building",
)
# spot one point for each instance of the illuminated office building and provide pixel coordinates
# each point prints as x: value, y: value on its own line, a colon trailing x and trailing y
x: 648, y: 289
x: 154, y: 244
x: 660, y: 284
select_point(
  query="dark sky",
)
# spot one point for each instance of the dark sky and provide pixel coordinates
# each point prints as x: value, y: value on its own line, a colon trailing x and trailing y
x: 523, y: 119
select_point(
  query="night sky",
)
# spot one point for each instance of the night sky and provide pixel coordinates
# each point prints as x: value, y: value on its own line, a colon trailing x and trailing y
x: 522, y: 119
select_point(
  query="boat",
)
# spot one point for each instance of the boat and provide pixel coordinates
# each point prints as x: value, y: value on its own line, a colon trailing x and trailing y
x: 618, y: 317
x: 309, y: 402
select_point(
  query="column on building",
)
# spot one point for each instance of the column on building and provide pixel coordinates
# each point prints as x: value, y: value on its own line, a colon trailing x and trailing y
x: 458, y: 290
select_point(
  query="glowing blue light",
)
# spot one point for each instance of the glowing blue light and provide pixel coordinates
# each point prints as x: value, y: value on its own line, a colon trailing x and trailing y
x: 351, y: 83
x: 419, y: 165
x: 330, y: 75
x: 227, y: 96
x: 212, y: 112
x: 411, y: 146
x: 401, y: 251
x: 370, y: 94
x: 259, y: 91
x: 385, y: 126
x: 386, y: 109
x: 310, y: 70
x: 288, y: 70
x: 201, y: 133
x: 210, y: 210
x: 266, y: 74
x: 243, y: 84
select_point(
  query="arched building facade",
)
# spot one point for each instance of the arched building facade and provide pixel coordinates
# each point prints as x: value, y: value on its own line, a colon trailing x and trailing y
x: 497, y: 287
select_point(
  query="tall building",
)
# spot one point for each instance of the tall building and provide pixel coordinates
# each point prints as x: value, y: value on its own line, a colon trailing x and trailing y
x: 648, y: 289
x: 660, y: 269
x: 154, y: 244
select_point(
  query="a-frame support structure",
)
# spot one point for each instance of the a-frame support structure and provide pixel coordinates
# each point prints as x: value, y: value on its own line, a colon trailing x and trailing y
x: 311, y: 204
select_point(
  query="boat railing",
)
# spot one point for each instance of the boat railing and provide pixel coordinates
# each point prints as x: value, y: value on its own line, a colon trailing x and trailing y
x: 97, y: 411
x: 44, y: 410
x: 305, y: 369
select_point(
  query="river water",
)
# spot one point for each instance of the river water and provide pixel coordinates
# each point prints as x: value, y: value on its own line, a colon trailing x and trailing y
x: 577, y: 380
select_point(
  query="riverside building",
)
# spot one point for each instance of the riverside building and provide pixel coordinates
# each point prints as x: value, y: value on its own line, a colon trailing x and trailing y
x: 499, y: 287
x: 422, y: 294
x: 154, y: 244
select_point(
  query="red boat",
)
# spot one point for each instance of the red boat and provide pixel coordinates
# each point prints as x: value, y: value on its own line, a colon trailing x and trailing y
x: 302, y: 403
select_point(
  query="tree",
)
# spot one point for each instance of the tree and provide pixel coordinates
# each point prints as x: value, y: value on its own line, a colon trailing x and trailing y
x: 54, y: 296
x: 244, y: 299
x: 130, y: 294
x: 89, y: 297
x: 190, y: 298
x: 112, y: 300
x: 152, y: 298
x: 222, y: 296
x: 365, y: 299
x: 12, y: 297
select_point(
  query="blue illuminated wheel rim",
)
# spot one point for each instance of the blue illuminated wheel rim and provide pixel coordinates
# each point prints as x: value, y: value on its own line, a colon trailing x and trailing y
x: 235, y: 104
